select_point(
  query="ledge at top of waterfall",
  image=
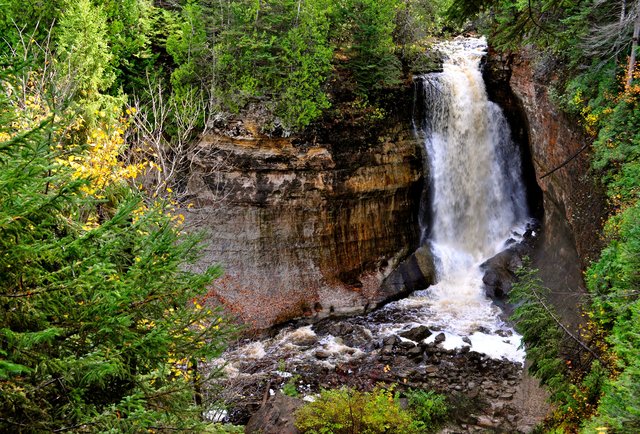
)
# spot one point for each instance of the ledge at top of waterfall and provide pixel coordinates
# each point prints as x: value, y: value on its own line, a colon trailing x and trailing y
x: 478, y: 200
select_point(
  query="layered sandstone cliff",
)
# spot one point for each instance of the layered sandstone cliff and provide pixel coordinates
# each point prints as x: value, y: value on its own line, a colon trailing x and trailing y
x: 573, y: 199
x: 304, y: 228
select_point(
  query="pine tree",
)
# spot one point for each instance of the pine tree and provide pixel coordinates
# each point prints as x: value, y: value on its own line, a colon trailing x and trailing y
x: 102, y: 326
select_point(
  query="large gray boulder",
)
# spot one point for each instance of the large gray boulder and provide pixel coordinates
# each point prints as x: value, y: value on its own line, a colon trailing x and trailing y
x: 276, y: 416
x: 500, y: 272
x: 414, y: 273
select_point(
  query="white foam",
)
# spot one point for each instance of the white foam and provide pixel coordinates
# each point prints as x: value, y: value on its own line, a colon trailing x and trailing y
x: 498, y: 347
x: 299, y: 336
x: 336, y: 348
x: 254, y: 350
x: 492, y: 345
x: 215, y: 415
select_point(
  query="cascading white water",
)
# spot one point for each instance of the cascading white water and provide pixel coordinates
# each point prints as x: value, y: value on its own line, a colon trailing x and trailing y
x: 478, y: 194
x: 478, y: 197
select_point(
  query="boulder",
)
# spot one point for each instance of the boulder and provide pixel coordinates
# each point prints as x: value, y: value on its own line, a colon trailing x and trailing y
x: 414, y: 273
x: 417, y: 334
x: 352, y: 335
x: 276, y: 416
x: 499, y: 273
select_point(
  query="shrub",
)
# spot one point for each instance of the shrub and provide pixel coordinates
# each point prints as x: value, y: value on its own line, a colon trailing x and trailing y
x: 428, y: 407
x: 350, y: 411
x: 289, y: 388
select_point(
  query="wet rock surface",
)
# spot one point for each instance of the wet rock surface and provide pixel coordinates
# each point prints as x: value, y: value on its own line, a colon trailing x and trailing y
x: 309, y: 226
x: 414, y: 273
x: 275, y: 416
x: 500, y: 270
x: 481, y: 390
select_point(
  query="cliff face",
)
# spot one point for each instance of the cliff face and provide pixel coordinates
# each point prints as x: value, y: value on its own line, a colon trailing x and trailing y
x: 554, y: 140
x: 303, y: 228
x: 573, y: 199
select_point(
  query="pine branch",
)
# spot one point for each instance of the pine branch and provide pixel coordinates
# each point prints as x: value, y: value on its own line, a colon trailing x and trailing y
x: 566, y: 331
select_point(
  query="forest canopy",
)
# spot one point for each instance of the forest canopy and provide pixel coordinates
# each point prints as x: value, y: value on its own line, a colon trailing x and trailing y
x: 103, y: 325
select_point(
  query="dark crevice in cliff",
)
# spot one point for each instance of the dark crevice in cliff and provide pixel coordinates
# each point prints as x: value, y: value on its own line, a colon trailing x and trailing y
x: 419, y: 109
x: 499, y: 91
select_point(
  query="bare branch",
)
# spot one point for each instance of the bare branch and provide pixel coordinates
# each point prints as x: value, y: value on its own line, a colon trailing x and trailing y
x: 172, y: 157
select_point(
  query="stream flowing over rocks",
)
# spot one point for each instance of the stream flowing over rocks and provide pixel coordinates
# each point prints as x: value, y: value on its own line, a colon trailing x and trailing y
x: 451, y: 337
x: 387, y: 346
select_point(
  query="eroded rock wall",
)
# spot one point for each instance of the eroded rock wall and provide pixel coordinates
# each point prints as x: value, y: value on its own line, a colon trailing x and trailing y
x: 573, y: 199
x: 303, y: 228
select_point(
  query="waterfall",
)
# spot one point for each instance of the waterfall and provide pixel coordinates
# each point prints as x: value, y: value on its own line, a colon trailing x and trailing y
x: 477, y: 194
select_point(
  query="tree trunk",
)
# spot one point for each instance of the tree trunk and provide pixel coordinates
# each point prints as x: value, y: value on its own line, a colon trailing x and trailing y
x: 634, y: 46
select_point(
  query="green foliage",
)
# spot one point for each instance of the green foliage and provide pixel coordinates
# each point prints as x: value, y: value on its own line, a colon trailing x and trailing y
x: 82, y: 47
x: 187, y: 44
x: 278, y: 56
x: 31, y: 18
x: 101, y: 329
x: 104, y: 45
x: 277, y: 50
x: 575, y: 378
x: 368, y: 27
x: 346, y: 410
x: 429, y: 409
x: 217, y: 428
x: 130, y: 28
x: 289, y: 388
x: 614, y: 282
x: 540, y: 332
x: 552, y: 24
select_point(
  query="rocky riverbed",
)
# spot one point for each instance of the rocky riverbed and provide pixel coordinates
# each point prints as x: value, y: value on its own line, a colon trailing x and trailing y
x: 487, y: 394
x: 404, y: 343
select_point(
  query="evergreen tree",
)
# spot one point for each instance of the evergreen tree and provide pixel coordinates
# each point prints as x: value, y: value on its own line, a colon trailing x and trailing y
x: 102, y: 326
x: 371, y: 48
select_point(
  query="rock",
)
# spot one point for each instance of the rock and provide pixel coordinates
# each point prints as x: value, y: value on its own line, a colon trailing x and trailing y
x: 387, y: 350
x: 415, y: 352
x: 322, y: 354
x: 578, y: 198
x: 415, y: 272
x: 499, y: 274
x: 276, y: 416
x: 352, y: 335
x: 417, y: 334
x: 307, y: 225
x: 406, y: 345
x: 391, y: 340
x: 504, y: 333
x: 486, y: 422
x: 440, y: 338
